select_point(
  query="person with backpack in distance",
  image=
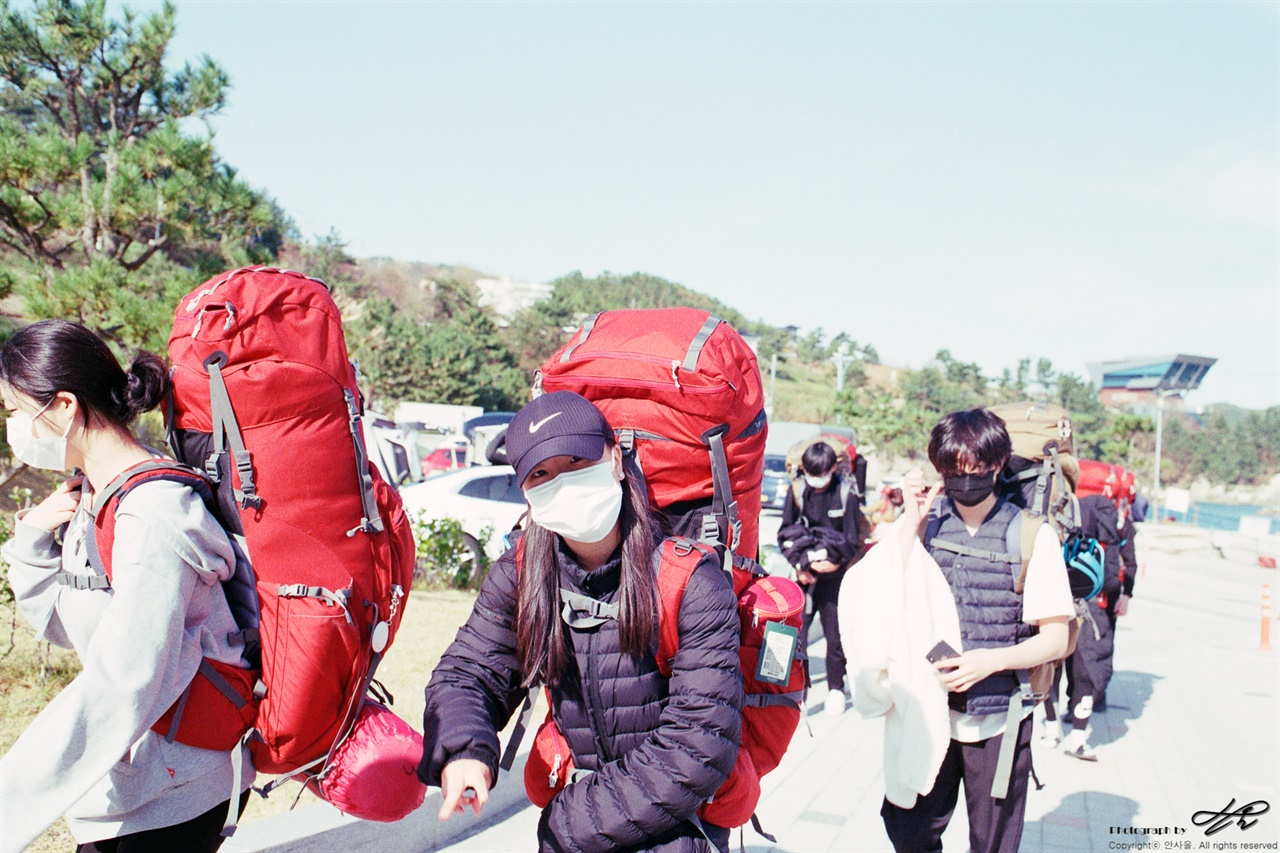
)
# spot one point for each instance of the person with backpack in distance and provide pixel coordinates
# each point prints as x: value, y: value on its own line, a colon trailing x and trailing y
x: 1110, y: 525
x: 948, y: 615
x: 820, y: 536
x: 97, y: 752
x: 574, y: 606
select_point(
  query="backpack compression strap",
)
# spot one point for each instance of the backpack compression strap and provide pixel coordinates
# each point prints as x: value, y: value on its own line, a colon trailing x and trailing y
x: 226, y: 430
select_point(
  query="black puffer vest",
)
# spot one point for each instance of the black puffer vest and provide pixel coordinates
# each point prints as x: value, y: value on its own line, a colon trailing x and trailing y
x: 983, y: 585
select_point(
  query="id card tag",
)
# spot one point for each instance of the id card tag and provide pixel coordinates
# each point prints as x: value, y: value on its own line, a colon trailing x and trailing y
x: 777, y: 650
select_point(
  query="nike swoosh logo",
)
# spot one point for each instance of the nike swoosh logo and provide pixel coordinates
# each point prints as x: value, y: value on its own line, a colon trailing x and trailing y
x: 535, y: 427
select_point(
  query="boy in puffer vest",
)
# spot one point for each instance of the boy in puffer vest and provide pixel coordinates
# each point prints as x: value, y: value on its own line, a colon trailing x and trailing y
x: 1002, y: 632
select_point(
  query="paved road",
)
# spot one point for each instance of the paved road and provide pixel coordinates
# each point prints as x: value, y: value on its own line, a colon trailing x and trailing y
x: 1192, y: 724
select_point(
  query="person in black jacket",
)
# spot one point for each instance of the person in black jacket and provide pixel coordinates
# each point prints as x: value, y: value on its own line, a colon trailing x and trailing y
x: 580, y: 615
x: 1089, y: 667
x: 820, y: 537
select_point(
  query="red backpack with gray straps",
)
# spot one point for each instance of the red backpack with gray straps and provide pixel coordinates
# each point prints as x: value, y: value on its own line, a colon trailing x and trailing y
x: 265, y: 404
x: 221, y: 695
x: 683, y: 393
x: 682, y: 390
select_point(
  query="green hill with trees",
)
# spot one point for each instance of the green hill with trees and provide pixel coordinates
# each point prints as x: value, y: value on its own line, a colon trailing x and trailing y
x: 112, y: 205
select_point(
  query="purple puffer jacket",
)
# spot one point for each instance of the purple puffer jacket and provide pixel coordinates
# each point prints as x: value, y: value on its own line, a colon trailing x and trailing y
x: 659, y: 747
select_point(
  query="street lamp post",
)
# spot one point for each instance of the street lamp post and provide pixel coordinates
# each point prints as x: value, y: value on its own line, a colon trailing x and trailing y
x: 1160, y: 397
x: 773, y: 378
x: 841, y: 356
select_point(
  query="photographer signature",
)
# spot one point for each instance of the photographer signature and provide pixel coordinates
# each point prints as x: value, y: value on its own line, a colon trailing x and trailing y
x: 1217, y: 821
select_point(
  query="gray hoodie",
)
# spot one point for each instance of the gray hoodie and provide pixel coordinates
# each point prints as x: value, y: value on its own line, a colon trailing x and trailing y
x: 90, y: 753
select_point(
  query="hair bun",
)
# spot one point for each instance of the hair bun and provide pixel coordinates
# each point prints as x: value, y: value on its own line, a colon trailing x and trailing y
x: 148, y: 382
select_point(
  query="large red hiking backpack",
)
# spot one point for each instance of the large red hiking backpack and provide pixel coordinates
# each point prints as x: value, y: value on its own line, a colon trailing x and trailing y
x: 1113, y: 482
x: 774, y: 690
x: 265, y: 403
x: 682, y: 390
x: 1097, y: 478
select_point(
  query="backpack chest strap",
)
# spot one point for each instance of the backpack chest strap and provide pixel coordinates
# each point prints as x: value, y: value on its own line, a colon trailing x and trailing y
x: 582, y: 611
x: 980, y: 553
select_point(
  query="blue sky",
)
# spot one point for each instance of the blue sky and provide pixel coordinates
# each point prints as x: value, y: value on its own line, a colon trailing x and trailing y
x: 1080, y: 181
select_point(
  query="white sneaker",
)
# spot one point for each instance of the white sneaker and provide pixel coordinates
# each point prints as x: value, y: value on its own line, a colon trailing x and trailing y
x: 834, y: 704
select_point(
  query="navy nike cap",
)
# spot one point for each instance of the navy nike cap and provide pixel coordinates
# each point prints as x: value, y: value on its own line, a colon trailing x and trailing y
x: 561, y: 423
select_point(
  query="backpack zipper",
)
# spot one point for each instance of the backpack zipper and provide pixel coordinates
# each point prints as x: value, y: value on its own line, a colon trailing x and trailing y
x: 615, y: 382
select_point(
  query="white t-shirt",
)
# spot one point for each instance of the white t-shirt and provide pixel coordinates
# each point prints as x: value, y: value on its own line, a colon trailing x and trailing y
x: 1046, y: 595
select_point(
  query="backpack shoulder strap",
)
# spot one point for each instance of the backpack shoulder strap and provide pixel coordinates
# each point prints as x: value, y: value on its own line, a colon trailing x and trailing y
x: 797, y: 492
x: 932, y: 524
x: 1028, y: 527
x: 107, y: 502
x: 677, y: 560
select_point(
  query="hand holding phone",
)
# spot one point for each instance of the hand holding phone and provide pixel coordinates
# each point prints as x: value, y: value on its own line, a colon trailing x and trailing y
x: 940, y: 652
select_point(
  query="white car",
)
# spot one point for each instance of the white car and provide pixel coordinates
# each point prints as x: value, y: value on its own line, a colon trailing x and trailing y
x: 484, y: 496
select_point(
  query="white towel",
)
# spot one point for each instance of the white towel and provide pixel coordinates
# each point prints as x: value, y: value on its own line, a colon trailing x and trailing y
x: 890, y: 617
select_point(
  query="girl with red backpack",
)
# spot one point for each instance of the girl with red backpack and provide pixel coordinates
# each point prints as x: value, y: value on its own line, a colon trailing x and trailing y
x: 574, y: 606
x: 141, y: 634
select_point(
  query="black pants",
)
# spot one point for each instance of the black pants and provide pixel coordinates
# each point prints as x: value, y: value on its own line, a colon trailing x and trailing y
x: 201, y: 834
x: 718, y: 836
x: 1094, y: 652
x: 994, y: 825
x: 823, y: 596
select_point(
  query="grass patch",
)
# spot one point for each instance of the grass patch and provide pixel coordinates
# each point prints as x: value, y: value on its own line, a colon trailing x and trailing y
x: 805, y: 392
x: 430, y: 622
x: 31, y: 674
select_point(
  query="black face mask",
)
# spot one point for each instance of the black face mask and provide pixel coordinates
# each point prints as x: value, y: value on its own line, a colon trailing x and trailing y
x: 970, y: 489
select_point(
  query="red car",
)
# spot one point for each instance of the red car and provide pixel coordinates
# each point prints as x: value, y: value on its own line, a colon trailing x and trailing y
x: 447, y: 457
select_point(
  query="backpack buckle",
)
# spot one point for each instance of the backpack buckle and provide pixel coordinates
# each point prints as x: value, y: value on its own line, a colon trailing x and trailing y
x: 710, y: 530
x: 211, y: 468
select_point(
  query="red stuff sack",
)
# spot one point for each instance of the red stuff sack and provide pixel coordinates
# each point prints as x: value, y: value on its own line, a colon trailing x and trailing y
x: 265, y: 403
x: 373, y: 774
x: 682, y: 390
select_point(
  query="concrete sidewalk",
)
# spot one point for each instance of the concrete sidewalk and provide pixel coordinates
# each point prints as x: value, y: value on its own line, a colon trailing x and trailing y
x: 1193, y: 723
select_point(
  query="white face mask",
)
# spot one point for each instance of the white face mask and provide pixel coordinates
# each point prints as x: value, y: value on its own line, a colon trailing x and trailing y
x: 817, y: 482
x: 47, y: 453
x: 580, y: 505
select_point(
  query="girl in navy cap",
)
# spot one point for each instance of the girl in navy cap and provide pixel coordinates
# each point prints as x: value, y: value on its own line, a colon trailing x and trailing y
x: 580, y: 615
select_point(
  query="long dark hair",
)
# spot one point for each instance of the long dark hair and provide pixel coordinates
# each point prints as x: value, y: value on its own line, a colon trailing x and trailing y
x: 542, y: 645
x: 55, y: 355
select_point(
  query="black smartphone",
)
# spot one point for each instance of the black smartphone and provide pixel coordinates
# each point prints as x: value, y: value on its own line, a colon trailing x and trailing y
x: 941, y: 651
